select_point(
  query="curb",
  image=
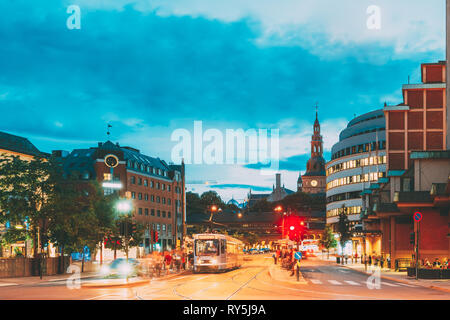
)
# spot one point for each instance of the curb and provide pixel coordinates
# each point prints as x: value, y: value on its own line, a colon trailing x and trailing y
x: 401, y: 280
x: 116, y: 285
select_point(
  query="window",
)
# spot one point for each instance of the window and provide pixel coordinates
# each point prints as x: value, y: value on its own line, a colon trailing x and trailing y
x: 107, y: 176
x: 146, y: 211
x: 163, y: 227
x: 158, y: 213
x: 152, y: 184
x: 140, y: 196
x: 133, y: 195
x: 163, y: 186
x: 157, y: 185
x: 158, y: 200
x: 152, y: 212
x: 222, y: 246
x: 163, y: 214
x: 140, y: 211
x: 169, y: 201
x: 146, y: 183
x: 157, y: 227
x: 146, y: 197
x: 163, y: 200
x: 168, y: 214
x: 140, y: 181
x: 168, y: 187
x: 133, y: 179
x: 152, y: 198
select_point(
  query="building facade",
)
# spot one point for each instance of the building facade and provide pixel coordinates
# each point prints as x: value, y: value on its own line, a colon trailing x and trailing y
x: 313, y: 181
x: 12, y: 145
x: 155, y: 189
x: 358, y: 161
x: 418, y: 171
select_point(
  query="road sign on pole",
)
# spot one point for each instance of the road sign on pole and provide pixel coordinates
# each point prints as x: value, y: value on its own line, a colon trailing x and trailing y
x: 418, y: 216
x: 298, y: 255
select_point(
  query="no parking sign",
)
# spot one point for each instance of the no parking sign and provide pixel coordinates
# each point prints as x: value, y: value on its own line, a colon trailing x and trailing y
x: 418, y: 216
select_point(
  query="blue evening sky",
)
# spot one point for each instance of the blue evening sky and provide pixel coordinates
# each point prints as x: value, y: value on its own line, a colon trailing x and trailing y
x: 150, y: 67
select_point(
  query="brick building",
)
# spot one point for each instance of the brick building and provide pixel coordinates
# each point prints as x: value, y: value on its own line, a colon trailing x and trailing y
x: 419, y: 122
x: 418, y: 170
x: 314, y: 179
x: 156, y: 189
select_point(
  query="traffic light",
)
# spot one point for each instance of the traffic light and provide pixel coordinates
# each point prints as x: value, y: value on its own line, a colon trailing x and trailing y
x: 155, y: 237
x: 133, y: 228
x: 412, y: 238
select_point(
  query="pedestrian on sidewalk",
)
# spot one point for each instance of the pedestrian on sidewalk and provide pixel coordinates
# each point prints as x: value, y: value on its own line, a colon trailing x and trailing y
x: 167, y: 262
x: 183, y: 261
x: 274, y: 256
x: 297, y: 269
x: 365, y: 262
x: 191, y: 259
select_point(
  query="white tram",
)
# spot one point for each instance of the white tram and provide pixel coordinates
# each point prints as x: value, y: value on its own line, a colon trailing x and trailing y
x: 217, y: 252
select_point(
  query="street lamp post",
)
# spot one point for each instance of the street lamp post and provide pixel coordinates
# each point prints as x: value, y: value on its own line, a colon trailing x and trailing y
x: 124, y: 207
x: 213, y: 209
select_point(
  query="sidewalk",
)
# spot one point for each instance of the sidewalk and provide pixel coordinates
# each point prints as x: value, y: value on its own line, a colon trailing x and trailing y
x: 280, y: 274
x: 388, y: 274
x: 85, y: 275
x: 36, y: 279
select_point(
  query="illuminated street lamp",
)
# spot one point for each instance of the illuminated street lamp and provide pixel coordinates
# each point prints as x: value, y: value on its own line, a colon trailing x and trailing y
x: 239, y: 215
x: 123, y: 206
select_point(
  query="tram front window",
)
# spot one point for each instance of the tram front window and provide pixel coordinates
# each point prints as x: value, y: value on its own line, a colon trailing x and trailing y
x: 207, y: 247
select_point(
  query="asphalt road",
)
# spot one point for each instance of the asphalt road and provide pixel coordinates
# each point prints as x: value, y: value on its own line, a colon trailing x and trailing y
x: 254, y: 281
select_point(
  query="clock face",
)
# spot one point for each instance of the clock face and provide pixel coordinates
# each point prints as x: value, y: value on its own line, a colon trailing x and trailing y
x: 111, y: 161
x: 314, y: 183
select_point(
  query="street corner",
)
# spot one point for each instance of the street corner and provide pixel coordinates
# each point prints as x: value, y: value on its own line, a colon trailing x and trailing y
x: 282, y: 275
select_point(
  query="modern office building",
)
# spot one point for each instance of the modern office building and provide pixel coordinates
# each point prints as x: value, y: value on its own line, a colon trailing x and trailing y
x: 358, y: 160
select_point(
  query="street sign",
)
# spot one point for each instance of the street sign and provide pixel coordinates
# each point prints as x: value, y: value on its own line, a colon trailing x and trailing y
x: 298, y: 255
x: 418, y: 216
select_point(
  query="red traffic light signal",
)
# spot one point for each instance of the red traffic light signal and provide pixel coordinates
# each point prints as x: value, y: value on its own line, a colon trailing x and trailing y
x: 154, y: 235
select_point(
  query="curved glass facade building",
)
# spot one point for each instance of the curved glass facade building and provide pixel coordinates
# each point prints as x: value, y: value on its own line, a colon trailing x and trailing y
x: 358, y: 161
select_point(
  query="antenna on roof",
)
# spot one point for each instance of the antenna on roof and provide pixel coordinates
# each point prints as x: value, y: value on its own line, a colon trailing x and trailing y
x: 107, y: 130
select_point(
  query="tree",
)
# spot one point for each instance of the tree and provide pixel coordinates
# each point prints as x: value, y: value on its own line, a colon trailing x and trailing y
x: 344, y: 230
x: 79, y: 215
x: 328, y: 240
x: 24, y: 189
x: 194, y: 203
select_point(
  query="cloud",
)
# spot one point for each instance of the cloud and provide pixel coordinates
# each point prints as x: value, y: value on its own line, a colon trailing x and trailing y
x: 150, y: 67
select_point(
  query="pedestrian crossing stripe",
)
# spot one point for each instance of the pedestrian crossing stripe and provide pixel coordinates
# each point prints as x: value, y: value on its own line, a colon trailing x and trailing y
x: 334, y: 282
x: 315, y: 281
x: 353, y: 283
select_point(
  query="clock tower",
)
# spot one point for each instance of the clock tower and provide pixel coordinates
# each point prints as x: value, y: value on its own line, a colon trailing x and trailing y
x: 314, y: 179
